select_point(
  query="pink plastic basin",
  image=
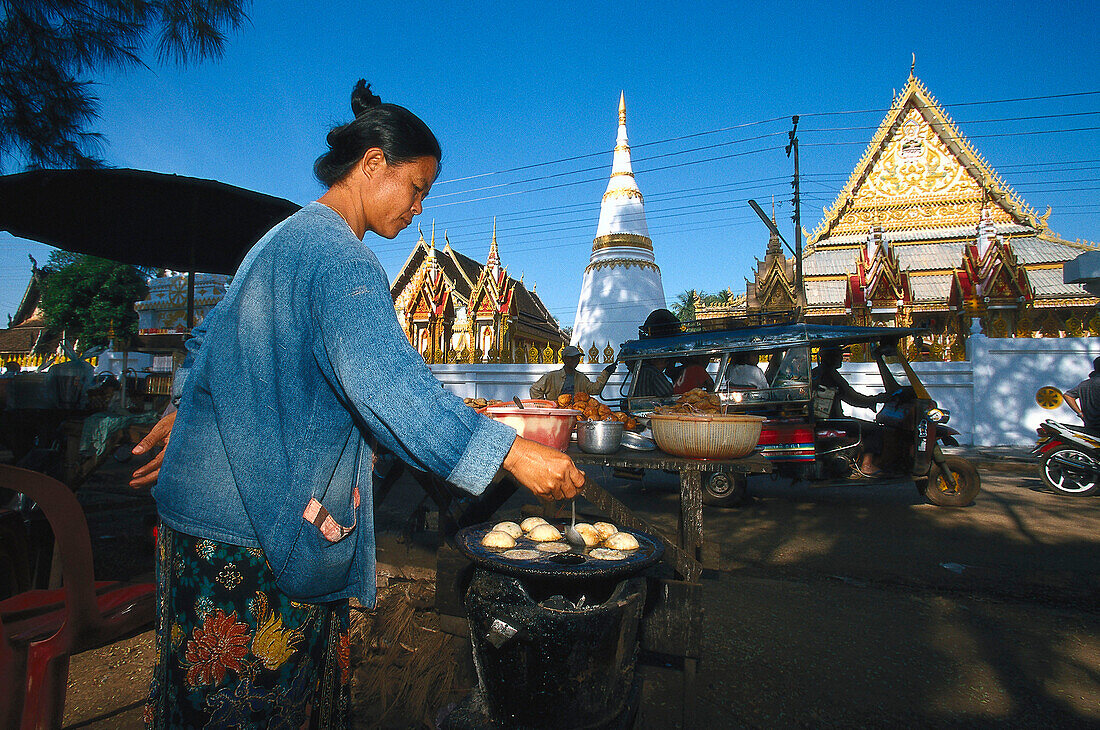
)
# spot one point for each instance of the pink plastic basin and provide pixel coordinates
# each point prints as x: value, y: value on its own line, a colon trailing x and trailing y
x: 549, y: 426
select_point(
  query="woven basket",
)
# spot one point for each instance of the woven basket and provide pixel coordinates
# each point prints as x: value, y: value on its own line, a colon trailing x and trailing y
x: 706, y: 437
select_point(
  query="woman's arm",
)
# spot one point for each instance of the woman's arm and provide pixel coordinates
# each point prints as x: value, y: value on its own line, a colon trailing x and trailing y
x: 362, y: 350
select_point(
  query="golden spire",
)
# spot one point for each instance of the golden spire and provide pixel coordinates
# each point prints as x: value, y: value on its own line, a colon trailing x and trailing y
x: 493, y: 262
x: 622, y: 107
x: 913, y: 66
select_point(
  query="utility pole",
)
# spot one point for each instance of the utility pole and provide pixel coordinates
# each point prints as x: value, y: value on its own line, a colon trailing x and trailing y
x: 792, y: 146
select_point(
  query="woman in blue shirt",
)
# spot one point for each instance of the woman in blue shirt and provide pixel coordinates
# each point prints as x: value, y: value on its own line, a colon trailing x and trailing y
x: 292, y: 383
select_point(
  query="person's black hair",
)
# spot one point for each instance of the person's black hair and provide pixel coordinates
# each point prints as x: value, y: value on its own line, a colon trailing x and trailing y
x: 401, y: 135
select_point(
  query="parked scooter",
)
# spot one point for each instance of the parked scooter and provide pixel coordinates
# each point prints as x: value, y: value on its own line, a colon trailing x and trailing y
x: 1069, y: 458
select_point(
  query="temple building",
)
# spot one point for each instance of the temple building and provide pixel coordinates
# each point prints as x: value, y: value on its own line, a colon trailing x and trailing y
x: 622, y: 283
x: 454, y: 309
x: 925, y: 233
x: 27, y: 340
x: 164, y: 311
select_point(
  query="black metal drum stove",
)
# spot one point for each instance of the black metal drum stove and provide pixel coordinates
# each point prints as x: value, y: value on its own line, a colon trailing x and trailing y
x: 555, y: 638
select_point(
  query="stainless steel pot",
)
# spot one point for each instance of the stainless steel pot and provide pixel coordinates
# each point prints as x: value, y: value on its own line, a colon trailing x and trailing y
x: 599, y: 437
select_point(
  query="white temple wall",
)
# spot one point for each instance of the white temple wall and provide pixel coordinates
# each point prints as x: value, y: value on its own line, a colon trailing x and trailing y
x: 991, y: 397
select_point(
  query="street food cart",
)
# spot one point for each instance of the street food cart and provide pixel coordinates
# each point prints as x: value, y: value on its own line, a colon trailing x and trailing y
x: 671, y: 626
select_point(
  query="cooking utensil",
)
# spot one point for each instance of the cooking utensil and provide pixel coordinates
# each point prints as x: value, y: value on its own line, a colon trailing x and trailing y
x: 638, y: 442
x: 517, y: 401
x: 599, y: 437
x: 575, y: 538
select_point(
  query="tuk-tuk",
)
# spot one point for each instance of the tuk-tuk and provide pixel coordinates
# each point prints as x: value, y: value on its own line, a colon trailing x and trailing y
x: 802, y: 437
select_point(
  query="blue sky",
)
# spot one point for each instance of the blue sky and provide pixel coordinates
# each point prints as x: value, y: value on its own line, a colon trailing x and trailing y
x: 536, y: 86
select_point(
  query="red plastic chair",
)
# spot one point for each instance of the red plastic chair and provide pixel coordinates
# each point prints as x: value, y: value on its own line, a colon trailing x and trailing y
x: 40, y: 629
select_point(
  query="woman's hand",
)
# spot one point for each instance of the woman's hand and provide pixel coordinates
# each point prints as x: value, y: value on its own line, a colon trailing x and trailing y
x: 547, y: 472
x: 146, y: 476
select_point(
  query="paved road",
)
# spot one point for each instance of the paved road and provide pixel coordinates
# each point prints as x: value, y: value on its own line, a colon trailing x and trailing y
x: 860, y: 605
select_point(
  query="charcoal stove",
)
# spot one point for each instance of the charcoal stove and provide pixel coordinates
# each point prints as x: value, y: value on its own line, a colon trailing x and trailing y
x: 554, y: 638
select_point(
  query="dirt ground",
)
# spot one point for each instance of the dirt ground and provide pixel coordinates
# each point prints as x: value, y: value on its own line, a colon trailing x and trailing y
x: 784, y: 647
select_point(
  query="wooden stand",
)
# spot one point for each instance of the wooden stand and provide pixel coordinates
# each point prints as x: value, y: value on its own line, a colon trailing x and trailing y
x: 672, y: 625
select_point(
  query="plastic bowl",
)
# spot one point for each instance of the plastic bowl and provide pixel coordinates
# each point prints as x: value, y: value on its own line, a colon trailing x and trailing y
x: 549, y: 426
x: 599, y: 437
x: 706, y: 437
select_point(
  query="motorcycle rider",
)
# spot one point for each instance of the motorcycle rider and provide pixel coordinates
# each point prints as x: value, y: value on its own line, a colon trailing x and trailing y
x: 1084, y: 399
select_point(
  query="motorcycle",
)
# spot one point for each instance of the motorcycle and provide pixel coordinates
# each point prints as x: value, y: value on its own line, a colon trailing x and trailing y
x: 1069, y: 459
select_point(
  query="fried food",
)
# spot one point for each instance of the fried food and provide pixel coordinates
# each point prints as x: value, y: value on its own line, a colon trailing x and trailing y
x: 552, y: 547
x: 565, y: 400
x: 605, y: 529
x: 544, y: 533
x: 604, y: 554
x: 531, y: 523
x: 695, y: 401
x: 588, y: 532
x: 521, y: 554
x: 622, y: 541
x: 581, y: 397
x: 498, y: 540
x: 510, y: 527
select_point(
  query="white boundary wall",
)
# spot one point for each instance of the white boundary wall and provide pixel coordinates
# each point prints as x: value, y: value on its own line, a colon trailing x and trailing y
x: 991, y: 396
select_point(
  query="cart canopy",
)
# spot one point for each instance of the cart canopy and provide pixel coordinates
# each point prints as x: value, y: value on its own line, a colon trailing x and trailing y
x: 760, y: 338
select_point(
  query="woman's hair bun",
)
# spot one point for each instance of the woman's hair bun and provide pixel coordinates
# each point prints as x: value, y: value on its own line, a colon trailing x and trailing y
x: 362, y: 98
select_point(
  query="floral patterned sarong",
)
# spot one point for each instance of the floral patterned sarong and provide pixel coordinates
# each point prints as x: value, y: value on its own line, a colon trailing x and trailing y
x: 234, y: 652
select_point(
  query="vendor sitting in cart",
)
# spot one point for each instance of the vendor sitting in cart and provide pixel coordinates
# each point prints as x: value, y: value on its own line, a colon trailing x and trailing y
x: 568, y: 379
x: 827, y: 374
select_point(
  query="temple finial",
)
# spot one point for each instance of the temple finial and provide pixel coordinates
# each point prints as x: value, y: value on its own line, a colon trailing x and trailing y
x: 913, y: 66
x: 622, y: 107
x: 493, y: 262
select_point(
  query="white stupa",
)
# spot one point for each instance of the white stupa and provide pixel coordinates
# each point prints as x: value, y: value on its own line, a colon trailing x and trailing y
x: 622, y: 283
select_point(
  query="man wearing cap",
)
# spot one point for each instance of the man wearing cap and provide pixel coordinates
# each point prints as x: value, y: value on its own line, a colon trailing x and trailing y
x: 1084, y: 399
x: 568, y: 380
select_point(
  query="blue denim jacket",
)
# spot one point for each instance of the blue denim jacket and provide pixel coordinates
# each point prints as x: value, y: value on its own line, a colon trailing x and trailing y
x: 292, y: 379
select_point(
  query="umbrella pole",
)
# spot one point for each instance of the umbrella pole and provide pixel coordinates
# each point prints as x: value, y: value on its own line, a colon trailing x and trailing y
x: 190, y: 300
x: 122, y: 394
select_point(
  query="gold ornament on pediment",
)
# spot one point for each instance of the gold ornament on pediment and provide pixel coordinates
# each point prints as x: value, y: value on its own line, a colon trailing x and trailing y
x: 609, y: 353
x: 177, y: 290
x: 1074, y: 327
x: 1024, y: 327
x: 996, y: 326
x: 1051, y: 326
x: 958, y: 348
x: 1094, y: 325
x: 548, y: 354
x: 532, y: 354
x: 593, y: 354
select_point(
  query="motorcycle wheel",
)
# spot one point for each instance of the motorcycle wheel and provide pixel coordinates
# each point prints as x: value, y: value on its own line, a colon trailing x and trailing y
x: 1066, y: 479
x: 726, y: 490
x: 937, y: 490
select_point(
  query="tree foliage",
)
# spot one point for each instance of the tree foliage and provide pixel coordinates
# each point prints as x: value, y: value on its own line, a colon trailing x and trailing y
x: 85, y: 296
x: 49, y: 49
x: 684, y: 306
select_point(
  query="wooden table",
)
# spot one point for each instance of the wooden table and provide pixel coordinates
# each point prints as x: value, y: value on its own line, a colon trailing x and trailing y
x: 673, y: 626
x: 686, y: 551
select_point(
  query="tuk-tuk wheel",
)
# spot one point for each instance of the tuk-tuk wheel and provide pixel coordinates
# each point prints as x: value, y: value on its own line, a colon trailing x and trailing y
x: 726, y: 490
x: 938, y: 491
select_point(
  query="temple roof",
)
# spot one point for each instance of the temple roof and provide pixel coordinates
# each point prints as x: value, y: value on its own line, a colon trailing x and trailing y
x: 920, y: 168
x: 462, y: 273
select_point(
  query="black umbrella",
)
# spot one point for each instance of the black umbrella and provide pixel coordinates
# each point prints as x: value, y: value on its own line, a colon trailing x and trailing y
x: 140, y: 217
